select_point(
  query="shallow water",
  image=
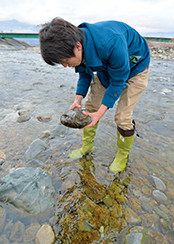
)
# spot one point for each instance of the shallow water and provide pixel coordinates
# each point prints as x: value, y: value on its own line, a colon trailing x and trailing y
x: 28, y: 84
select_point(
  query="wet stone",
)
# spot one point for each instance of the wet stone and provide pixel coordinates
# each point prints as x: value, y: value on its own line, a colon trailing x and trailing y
x: 134, y: 238
x: 147, y: 207
x: 45, y: 235
x: 44, y: 118
x: 161, y: 213
x: 149, y: 220
x: 17, y: 232
x: 75, y: 119
x: 29, y: 189
x: 36, y: 147
x: 23, y: 118
x: 30, y: 232
x: 45, y: 134
x: 164, y: 209
x: 159, y: 196
x: 158, y: 183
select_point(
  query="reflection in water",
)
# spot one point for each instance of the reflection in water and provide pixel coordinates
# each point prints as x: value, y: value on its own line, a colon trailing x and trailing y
x: 92, y: 205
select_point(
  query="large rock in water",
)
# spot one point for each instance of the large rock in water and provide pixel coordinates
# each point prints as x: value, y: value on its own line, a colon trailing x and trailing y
x: 75, y: 119
x: 29, y: 189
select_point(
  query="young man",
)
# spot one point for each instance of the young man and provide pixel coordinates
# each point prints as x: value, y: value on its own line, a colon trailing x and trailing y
x: 113, y: 60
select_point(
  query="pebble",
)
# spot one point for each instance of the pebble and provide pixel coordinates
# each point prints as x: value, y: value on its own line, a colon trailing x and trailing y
x: 45, y: 235
x: 23, y: 118
x: 159, y: 184
x: 18, y: 230
x: 134, y: 238
x: 147, y: 207
x: 45, y: 134
x: 159, y: 196
x: 161, y: 213
x: 44, y: 118
x: 150, y: 220
x: 30, y: 232
x: 164, y: 209
x: 66, y: 184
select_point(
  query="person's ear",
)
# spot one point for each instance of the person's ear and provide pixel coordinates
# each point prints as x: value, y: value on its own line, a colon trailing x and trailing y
x: 79, y: 46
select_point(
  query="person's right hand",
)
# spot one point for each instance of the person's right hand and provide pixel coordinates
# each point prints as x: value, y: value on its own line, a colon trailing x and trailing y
x: 77, y: 102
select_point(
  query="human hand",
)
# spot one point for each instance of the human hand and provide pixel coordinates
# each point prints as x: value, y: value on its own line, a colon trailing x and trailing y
x: 77, y: 102
x: 94, y: 117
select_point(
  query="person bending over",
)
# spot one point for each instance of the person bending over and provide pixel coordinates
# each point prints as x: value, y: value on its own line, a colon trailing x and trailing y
x: 113, y: 59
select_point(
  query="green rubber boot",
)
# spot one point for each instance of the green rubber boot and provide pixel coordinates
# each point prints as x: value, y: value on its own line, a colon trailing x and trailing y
x: 88, y: 140
x: 124, y: 145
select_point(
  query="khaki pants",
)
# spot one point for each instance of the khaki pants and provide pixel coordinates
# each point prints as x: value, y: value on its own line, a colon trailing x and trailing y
x: 127, y: 100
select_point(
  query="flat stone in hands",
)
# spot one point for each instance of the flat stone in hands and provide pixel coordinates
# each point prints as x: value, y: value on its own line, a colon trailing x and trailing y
x: 75, y: 119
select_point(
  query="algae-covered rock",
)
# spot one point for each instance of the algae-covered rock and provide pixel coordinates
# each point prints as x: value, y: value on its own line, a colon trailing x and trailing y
x: 102, y: 214
x: 75, y: 119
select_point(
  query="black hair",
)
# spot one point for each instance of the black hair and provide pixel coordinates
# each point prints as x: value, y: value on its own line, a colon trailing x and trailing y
x: 58, y: 39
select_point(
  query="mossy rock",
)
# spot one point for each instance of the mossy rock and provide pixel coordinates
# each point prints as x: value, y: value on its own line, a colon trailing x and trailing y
x: 75, y: 119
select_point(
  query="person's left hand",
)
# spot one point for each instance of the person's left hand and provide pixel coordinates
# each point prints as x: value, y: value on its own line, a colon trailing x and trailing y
x: 95, y: 118
x: 96, y: 115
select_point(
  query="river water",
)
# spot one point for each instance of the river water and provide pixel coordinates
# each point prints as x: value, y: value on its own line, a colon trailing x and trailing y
x: 126, y: 206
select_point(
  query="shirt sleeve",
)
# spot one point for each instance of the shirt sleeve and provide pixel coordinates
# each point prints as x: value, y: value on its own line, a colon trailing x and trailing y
x: 83, y: 84
x: 118, y: 70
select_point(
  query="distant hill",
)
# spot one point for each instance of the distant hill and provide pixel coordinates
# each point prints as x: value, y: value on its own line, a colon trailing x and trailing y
x: 17, y: 26
x: 160, y: 34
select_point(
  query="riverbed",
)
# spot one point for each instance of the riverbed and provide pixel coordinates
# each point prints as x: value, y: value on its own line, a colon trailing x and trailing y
x: 92, y: 205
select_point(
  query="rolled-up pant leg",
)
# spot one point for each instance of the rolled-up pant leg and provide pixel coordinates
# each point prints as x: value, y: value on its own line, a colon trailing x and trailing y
x: 95, y: 96
x: 129, y: 98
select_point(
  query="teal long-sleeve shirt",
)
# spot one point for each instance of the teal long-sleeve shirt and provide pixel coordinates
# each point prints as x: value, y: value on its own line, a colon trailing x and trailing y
x: 116, y: 52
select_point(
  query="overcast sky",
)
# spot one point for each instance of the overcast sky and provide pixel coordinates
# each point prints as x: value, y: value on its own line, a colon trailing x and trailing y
x: 144, y: 15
